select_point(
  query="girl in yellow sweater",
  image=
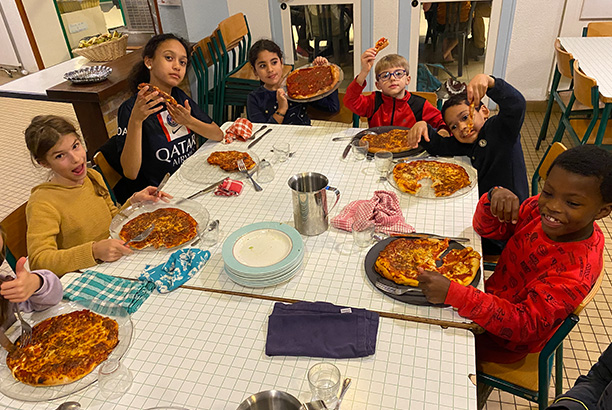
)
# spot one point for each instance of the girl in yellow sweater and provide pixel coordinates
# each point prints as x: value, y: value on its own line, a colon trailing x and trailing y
x: 69, y: 216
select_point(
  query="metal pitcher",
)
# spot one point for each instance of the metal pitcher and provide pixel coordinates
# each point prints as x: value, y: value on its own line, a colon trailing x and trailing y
x: 309, y: 192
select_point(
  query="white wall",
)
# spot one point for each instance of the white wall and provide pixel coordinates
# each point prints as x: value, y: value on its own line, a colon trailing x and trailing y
x: 47, y: 31
x: 257, y: 14
x: 385, y: 24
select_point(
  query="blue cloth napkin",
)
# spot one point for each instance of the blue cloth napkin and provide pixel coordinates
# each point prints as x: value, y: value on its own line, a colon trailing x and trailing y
x: 181, y: 266
x: 321, y: 329
x: 126, y: 293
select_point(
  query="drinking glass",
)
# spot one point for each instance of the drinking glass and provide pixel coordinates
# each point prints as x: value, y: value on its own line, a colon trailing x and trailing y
x: 324, y: 381
x: 383, y: 161
x: 360, y: 149
x: 114, y: 379
x: 281, y: 149
x: 265, y: 172
x: 362, y: 233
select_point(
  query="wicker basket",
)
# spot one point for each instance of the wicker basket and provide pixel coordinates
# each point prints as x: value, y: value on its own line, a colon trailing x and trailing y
x: 107, y: 51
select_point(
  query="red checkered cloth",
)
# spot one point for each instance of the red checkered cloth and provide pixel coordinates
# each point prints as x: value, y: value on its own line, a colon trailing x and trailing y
x: 229, y: 187
x: 383, y: 209
x: 241, y: 129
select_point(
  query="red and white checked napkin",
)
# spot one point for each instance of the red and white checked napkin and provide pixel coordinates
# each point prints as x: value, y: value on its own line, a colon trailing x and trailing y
x: 383, y: 209
x: 241, y: 129
x: 229, y: 187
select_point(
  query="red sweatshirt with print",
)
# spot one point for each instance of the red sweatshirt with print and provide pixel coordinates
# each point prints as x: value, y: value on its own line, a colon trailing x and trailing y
x: 537, y: 283
x: 393, y: 111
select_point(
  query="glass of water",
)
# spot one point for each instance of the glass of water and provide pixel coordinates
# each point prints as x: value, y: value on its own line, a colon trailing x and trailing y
x: 324, y: 381
x: 383, y: 161
x: 281, y: 151
x: 114, y: 379
x: 360, y: 149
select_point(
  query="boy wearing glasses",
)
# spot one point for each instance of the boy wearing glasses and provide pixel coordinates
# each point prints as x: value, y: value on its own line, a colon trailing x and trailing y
x: 392, y: 105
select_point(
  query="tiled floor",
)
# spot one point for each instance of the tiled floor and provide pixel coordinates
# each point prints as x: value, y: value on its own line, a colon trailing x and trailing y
x: 585, y: 343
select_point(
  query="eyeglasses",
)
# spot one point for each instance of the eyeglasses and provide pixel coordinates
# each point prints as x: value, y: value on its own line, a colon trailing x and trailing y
x: 386, y: 75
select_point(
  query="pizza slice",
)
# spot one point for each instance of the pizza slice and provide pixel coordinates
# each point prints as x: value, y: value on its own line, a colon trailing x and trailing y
x: 380, y: 44
x: 460, y: 265
x: 167, y: 97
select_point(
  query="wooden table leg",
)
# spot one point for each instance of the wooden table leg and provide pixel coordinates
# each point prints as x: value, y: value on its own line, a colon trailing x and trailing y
x: 93, y: 127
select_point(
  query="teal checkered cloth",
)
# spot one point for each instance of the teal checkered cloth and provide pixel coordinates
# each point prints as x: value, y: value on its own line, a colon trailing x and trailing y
x: 95, y: 285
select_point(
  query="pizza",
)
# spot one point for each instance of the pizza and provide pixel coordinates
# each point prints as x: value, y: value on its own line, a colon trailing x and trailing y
x: 167, y: 97
x: 470, y: 122
x: 173, y: 227
x: 228, y: 160
x: 380, y: 44
x: 64, y: 349
x: 447, y: 178
x: 400, y: 259
x: 309, y: 82
x: 392, y: 141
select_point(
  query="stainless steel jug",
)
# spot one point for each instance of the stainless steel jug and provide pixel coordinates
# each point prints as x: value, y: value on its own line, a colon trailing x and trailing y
x: 309, y: 192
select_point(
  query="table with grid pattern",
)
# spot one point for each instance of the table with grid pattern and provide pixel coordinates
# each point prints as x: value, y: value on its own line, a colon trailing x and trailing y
x: 202, y: 350
x: 333, y: 268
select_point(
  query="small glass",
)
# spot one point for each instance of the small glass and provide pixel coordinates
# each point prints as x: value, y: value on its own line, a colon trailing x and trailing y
x: 383, y: 161
x: 265, y: 172
x: 211, y: 235
x: 281, y: 150
x: 362, y: 233
x: 360, y: 149
x: 324, y: 381
x: 114, y: 379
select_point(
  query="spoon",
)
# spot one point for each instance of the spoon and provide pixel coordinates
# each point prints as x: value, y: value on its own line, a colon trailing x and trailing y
x: 69, y: 405
x: 345, y: 385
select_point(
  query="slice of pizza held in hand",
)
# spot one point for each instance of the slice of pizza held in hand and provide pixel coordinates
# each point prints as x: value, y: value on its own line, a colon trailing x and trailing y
x: 167, y: 97
x: 380, y: 44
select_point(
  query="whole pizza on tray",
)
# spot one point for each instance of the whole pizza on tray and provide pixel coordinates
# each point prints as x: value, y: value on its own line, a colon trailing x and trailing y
x: 64, y: 349
x: 447, y: 178
x: 393, y: 141
x: 309, y: 82
x: 173, y: 227
x: 399, y: 261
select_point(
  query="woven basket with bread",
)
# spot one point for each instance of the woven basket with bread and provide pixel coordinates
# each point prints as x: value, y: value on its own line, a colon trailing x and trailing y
x: 106, y: 51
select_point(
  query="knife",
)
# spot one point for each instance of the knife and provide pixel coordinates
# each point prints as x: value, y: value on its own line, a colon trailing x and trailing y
x: 263, y: 127
x: 205, y: 190
x: 429, y: 235
x: 258, y: 139
x: 6, y: 343
x: 161, y: 184
x: 347, y: 149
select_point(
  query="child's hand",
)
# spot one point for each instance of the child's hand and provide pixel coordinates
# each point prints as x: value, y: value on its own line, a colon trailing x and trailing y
x: 23, y: 286
x: 180, y: 114
x: 145, y: 104
x: 281, y: 98
x: 504, y: 205
x: 367, y: 60
x: 109, y: 250
x: 434, y: 285
x: 477, y: 88
x: 320, y: 61
x: 148, y: 194
x: 418, y: 131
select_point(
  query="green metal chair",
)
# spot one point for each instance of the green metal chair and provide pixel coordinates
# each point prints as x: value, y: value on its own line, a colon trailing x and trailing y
x: 530, y: 377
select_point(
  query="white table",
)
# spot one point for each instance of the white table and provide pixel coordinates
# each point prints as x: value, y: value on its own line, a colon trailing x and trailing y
x: 595, y: 58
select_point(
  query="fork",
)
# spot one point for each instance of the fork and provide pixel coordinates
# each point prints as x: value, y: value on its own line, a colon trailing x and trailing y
x: 142, y: 235
x: 395, y: 291
x: 26, y: 329
x: 244, y: 170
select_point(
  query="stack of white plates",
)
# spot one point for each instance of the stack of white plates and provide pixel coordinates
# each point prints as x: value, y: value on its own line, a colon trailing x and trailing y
x: 263, y: 254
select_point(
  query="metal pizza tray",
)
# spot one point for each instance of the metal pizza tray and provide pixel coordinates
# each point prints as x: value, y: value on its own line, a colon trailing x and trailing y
x: 320, y: 96
x: 412, y: 298
x: 386, y: 128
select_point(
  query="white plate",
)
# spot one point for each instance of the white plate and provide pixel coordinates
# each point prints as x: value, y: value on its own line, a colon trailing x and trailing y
x: 265, y: 275
x: 426, y: 191
x: 197, y: 169
x: 263, y: 247
x: 19, y: 391
x: 193, y: 208
x: 263, y: 284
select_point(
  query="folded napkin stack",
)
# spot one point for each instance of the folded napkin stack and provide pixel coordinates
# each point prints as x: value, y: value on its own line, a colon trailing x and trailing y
x: 229, y: 187
x: 126, y: 293
x: 321, y: 329
x: 181, y: 267
x: 241, y: 129
x: 383, y: 209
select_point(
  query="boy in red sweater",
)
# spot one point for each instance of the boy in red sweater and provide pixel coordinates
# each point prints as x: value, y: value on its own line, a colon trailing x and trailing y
x: 553, y: 256
x: 392, y: 105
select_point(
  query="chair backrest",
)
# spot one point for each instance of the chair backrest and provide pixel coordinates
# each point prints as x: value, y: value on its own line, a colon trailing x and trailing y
x: 108, y: 172
x: 233, y: 29
x: 564, y: 60
x: 16, y: 228
x: 203, y: 47
x: 344, y: 115
x: 589, y: 297
x: 584, y: 87
x: 599, y: 29
x: 556, y: 149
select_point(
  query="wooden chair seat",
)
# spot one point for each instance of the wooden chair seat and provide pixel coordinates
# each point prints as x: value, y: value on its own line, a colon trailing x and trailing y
x: 581, y: 126
x: 523, y: 373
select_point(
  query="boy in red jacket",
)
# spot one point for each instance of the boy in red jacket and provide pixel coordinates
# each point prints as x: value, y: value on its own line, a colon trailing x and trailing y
x: 552, y: 259
x: 392, y: 105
